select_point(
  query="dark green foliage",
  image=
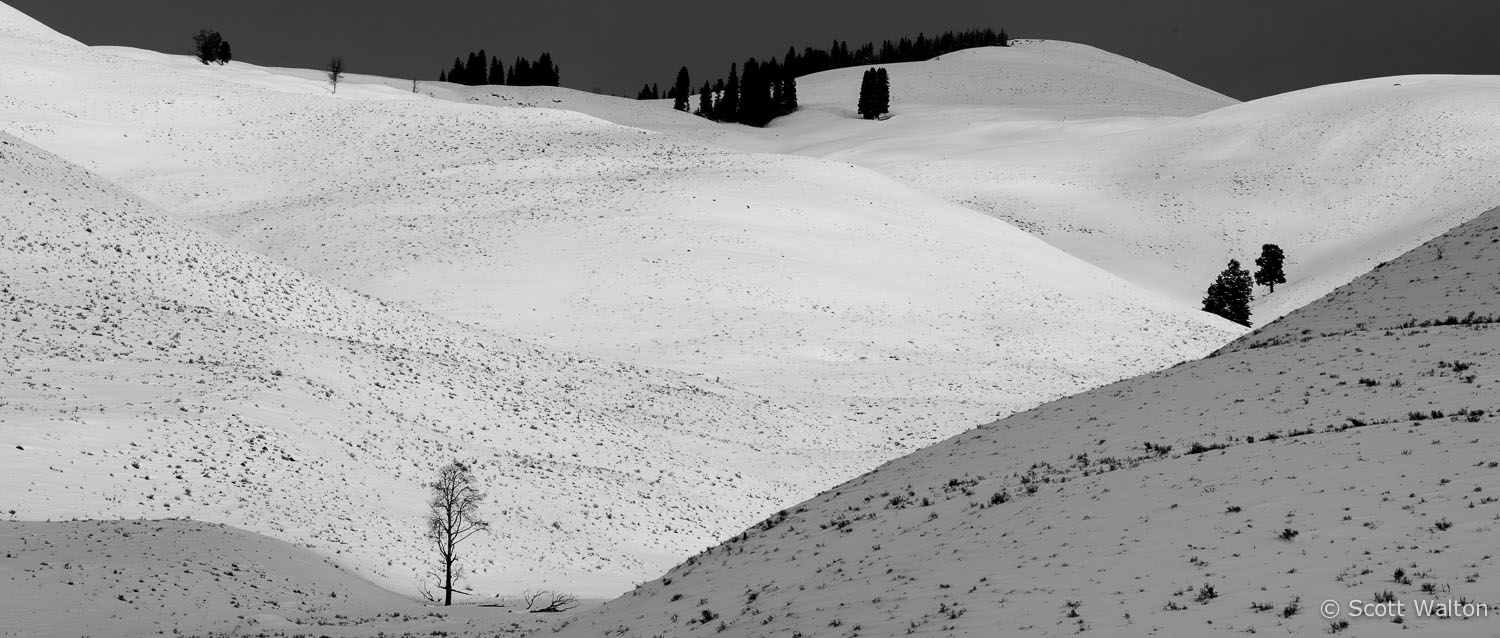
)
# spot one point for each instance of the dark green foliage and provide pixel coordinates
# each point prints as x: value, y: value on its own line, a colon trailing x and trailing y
x: 335, y: 70
x: 874, y: 94
x: 1230, y: 295
x: 209, y: 46
x: 768, y: 90
x: 706, y: 101
x: 1269, y: 267
x: 728, y: 109
x: 476, y: 70
x: 497, y: 72
x: 479, y: 68
x: 681, y: 90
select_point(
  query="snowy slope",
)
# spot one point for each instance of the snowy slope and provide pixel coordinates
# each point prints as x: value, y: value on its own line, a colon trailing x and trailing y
x: 150, y: 370
x: 183, y: 577
x: 1165, y: 193
x: 1354, y: 447
x: 810, y: 282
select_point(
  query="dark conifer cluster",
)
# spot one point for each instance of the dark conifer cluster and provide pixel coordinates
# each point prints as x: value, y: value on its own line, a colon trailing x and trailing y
x: 1229, y: 296
x: 754, y: 94
x: 479, y: 69
x: 757, y: 92
x: 212, y: 47
x: 874, y: 94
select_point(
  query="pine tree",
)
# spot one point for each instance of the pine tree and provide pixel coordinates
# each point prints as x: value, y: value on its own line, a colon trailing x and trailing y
x: 728, y: 109
x: 456, y: 75
x: 874, y: 94
x: 866, y: 104
x: 474, y: 71
x: 520, y: 73
x: 442, y: 76
x: 645, y: 93
x: 681, y: 90
x: 545, y: 72
x: 1230, y: 295
x: 497, y: 72
x: 211, y: 47
x: 1269, y: 266
x: 706, y: 102
x: 752, y: 95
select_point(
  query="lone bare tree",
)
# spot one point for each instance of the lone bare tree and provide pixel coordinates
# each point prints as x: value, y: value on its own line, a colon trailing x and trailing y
x: 452, y: 517
x: 335, y: 72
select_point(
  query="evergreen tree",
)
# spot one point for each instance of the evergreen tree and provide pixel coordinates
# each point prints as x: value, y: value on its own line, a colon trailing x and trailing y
x: 645, y: 93
x: 520, y: 72
x: 728, y: 109
x: 442, y: 76
x: 874, y: 94
x: 866, y: 104
x: 770, y: 91
x: 211, y: 47
x: 706, y: 101
x: 545, y: 72
x: 1230, y: 295
x: 474, y: 70
x: 1269, y: 265
x: 788, y: 94
x: 456, y: 75
x: 655, y: 91
x: 681, y: 90
x: 752, y: 95
x: 497, y: 72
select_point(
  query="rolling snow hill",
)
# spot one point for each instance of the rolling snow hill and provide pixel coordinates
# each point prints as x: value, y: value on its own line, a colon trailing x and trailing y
x: 809, y: 282
x: 150, y: 370
x: 1163, y: 185
x: 1344, y: 453
x: 820, y: 317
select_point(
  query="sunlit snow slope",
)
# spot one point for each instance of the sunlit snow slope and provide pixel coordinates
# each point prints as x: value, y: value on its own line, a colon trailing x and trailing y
x: 149, y: 370
x: 811, y: 282
x: 819, y: 317
x: 1135, y: 171
x: 1308, y: 461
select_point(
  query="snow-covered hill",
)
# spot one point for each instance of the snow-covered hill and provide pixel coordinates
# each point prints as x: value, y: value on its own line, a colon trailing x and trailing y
x: 1344, y: 453
x: 150, y: 370
x: 818, y: 317
x: 811, y: 282
x: 1163, y: 189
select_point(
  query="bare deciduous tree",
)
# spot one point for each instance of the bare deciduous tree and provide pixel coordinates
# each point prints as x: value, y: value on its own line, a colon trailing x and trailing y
x: 335, y: 72
x: 452, y: 518
x: 555, y: 601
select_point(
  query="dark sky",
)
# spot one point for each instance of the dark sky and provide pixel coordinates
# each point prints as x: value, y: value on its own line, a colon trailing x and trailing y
x: 1243, y: 48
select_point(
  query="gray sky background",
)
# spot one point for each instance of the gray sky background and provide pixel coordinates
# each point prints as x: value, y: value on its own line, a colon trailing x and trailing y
x: 1245, y: 49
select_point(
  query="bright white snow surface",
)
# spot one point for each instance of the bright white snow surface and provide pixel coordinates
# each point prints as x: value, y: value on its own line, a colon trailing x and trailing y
x: 1346, y: 452
x: 713, y: 321
x: 816, y: 317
